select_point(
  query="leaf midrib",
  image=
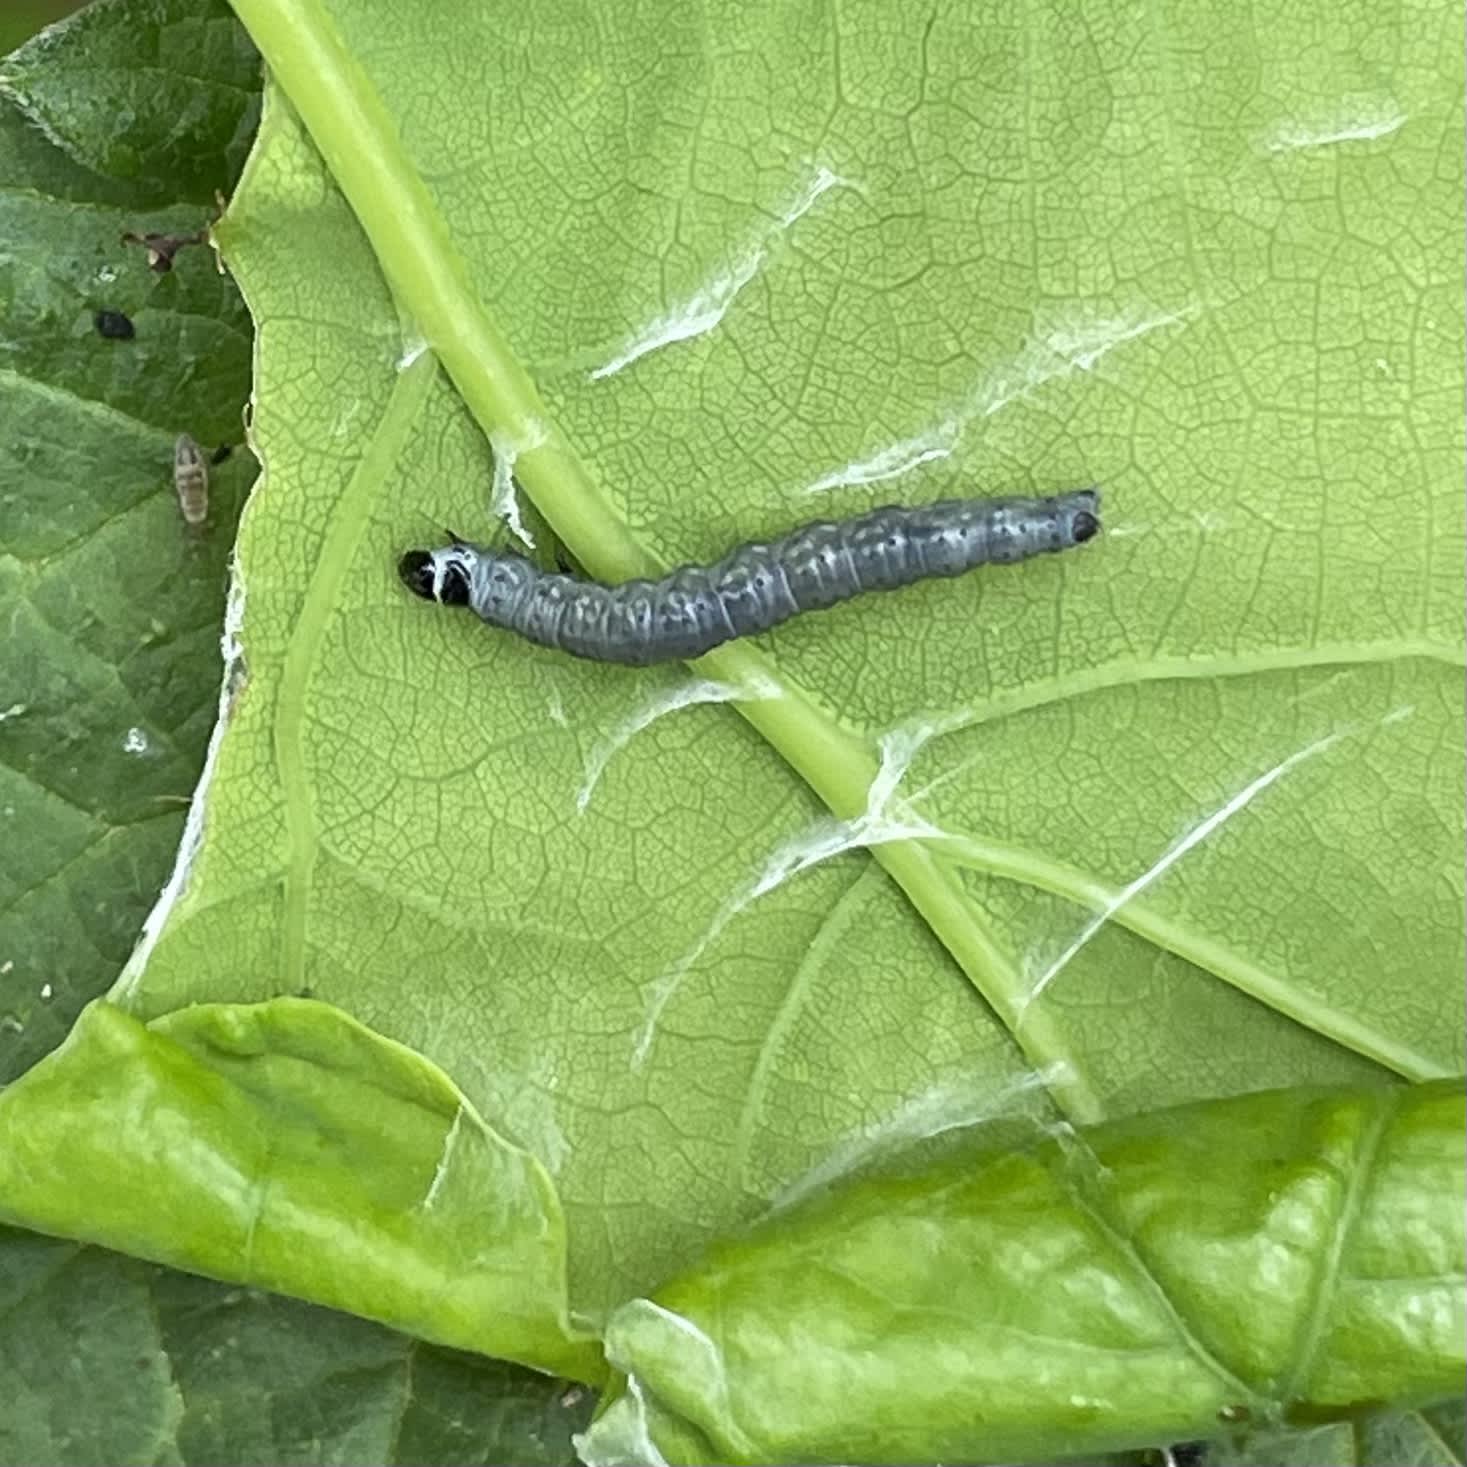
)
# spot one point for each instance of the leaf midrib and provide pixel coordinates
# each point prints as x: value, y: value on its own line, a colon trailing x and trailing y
x: 1326, y: 1284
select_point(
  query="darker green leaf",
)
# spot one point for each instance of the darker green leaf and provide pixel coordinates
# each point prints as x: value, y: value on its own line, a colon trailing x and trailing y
x: 159, y: 94
x: 105, y: 1359
x: 111, y: 611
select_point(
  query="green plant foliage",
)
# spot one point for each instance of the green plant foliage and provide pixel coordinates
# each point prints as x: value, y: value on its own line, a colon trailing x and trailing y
x: 703, y: 273
x: 111, y: 612
x: 110, y: 685
x: 419, y: 1205
x: 104, y: 1359
x: 162, y: 98
x: 1424, y: 1438
x: 23, y: 18
x: 1417, y: 1439
x: 1270, y: 1259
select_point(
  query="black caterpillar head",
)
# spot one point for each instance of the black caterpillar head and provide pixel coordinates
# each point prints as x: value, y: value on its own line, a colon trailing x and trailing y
x: 436, y: 575
x: 1085, y: 526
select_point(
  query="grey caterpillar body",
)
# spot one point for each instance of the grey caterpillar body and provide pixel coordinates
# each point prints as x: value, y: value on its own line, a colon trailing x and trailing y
x: 694, y: 609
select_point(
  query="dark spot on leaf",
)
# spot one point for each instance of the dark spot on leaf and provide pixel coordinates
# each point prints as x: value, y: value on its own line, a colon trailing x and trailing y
x: 114, y: 326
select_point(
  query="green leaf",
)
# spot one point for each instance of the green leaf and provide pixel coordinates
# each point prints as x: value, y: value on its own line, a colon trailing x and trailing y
x: 1287, y: 1256
x: 1431, y: 1438
x: 107, y: 1360
x: 101, y: 1358
x: 1427, y: 1438
x: 162, y: 95
x: 111, y: 666
x: 81, y: 1316
x: 23, y: 18
x: 111, y: 611
x: 283, y: 1121
x: 1320, y: 1446
x: 1213, y: 264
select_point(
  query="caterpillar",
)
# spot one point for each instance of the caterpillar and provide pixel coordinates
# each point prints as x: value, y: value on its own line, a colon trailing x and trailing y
x: 191, y: 481
x: 755, y: 587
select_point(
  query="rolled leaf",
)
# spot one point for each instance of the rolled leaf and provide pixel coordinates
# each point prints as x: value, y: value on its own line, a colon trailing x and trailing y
x: 259, y: 1126
x: 1282, y: 1257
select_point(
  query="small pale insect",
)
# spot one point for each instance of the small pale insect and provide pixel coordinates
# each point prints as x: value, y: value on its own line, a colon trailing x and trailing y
x: 191, y: 481
x: 755, y: 587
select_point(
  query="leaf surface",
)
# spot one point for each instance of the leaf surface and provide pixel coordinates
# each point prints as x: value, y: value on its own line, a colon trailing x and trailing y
x: 111, y: 612
x: 109, y: 687
x: 683, y: 267
x: 1237, y: 1261
x: 104, y: 1359
x: 282, y: 1121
